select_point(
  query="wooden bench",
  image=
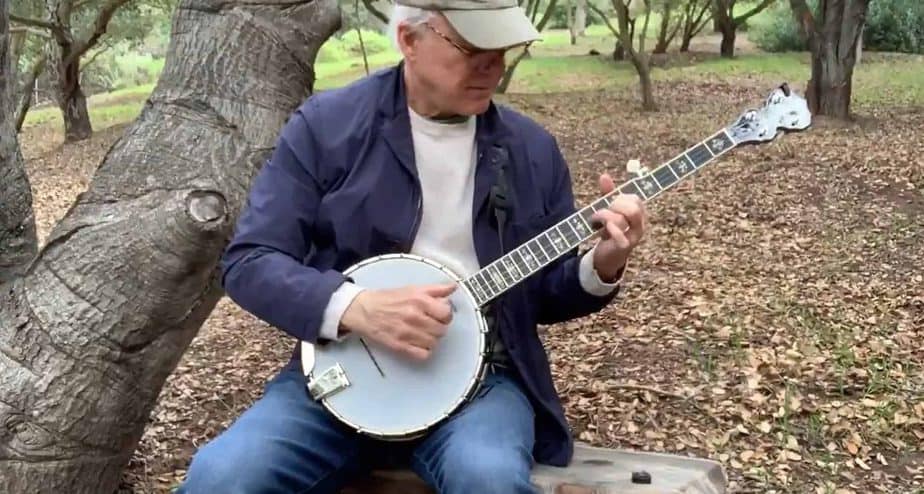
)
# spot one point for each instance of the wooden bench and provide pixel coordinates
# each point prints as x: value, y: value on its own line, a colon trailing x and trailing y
x: 592, y: 471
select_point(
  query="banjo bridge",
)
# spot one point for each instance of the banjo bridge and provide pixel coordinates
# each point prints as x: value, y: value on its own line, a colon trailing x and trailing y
x: 328, y: 382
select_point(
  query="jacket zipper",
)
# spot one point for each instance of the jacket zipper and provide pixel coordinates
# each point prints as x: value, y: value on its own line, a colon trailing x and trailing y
x: 417, y: 215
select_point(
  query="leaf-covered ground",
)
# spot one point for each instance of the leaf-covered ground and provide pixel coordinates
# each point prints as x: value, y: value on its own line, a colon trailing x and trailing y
x: 772, y: 320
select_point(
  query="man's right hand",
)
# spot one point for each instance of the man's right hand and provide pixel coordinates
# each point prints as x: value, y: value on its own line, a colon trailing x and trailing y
x: 409, y: 320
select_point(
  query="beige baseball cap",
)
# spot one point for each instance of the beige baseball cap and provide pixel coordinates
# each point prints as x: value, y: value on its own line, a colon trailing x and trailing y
x: 485, y: 24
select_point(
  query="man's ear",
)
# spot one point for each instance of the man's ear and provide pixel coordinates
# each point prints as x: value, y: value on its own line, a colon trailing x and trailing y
x: 407, y: 41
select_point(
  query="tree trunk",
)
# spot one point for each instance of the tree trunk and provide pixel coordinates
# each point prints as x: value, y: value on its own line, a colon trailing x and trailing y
x: 832, y: 39
x: 638, y: 56
x: 663, y: 41
x: 72, y: 101
x: 830, y: 87
x: 694, y: 20
x: 26, y: 94
x: 727, y: 48
x: 18, y: 240
x: 580, y: 18
x: 102, y: 316
x: 619, y: 52
x: 643, y: 67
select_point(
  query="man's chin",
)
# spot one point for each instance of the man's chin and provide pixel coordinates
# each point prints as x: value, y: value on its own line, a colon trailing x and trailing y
x: 475, y: 107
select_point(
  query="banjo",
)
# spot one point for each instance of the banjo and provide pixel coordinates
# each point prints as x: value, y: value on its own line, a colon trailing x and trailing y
x: 387, y: 396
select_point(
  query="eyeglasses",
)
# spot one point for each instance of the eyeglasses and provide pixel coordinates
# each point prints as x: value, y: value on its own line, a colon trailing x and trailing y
x: 472, y: 53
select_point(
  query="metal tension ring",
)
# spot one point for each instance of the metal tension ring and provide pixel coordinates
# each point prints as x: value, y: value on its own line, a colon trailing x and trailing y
x: 330, y: 381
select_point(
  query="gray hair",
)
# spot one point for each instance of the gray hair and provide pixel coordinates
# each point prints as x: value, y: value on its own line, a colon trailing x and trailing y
x: 412, y: 16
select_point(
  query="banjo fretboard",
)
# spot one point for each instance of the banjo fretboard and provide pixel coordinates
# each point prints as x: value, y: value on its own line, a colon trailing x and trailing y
x: 533, y: 255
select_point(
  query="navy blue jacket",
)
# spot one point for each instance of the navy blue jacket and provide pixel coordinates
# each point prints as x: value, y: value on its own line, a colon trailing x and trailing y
x: 340, y: 186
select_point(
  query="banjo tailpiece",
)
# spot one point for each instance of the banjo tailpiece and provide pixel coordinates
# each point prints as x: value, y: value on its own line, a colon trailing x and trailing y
x: 328, y: 382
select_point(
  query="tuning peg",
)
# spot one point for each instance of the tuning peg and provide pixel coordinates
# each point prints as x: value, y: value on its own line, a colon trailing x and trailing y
x: 635, y: 168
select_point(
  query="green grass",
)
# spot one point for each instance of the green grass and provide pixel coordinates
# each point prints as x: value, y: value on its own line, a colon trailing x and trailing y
x: 894, y: 82
x: 105, y: 109
x: 552, y: 73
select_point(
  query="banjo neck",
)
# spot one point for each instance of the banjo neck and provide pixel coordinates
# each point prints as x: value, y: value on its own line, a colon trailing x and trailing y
x: 533, y: 255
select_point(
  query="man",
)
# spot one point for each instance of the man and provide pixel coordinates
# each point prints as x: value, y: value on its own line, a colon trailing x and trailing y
x: 403, y: 160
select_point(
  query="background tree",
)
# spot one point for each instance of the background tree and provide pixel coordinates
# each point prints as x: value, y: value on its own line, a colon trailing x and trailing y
x: 670, y: 23
x: 696, y: 15
x: 627, y: 11
x: 103, y: 312
x: 75, y: 27
x: 832, y: 32
x: 728, y: 24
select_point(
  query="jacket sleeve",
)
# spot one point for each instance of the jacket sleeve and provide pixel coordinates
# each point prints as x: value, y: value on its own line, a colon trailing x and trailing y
x: 562, y: 295
x: 263, y: 268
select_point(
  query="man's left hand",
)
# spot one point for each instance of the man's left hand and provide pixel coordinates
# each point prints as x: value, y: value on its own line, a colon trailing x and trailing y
x: 624, y: 224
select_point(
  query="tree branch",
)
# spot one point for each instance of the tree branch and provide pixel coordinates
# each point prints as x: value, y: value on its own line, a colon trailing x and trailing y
x: 602, y: 15
x: 644, y: 33
x: 804, y: 16
x: 29, y: 30
x: 57, y: 30
x: 99, y: 28
x: 374, y: 11
x: 546, y: 16
x: 106, y: 46
x: 25, y: 94
x: 756, y: 10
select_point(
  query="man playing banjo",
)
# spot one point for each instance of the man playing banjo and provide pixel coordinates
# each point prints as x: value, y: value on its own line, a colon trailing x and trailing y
x: 404, y: 160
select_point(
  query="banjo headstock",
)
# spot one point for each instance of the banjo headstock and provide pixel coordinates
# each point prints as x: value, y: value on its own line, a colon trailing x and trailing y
x: 782, y: 110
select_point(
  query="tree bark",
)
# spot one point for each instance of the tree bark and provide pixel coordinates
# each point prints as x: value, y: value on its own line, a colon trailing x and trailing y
x: 18, y: 239
x: 71, y: 99
x: 832, y: 39
x: 727, y: 46
x: 580, y: 18
x: 725, y: 24
x: 98, y: 321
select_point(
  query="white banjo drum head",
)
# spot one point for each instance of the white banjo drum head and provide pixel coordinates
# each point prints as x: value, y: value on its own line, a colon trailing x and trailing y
x: 389, y: 395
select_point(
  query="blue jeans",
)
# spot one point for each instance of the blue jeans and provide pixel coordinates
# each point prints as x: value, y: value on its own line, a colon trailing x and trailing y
x: 287, y: 442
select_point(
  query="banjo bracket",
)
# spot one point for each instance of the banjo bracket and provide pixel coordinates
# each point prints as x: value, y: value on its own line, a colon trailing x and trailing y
x: 328, y: 382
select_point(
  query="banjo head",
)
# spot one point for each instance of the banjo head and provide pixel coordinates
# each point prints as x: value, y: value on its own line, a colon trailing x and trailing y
x: 388, y: 395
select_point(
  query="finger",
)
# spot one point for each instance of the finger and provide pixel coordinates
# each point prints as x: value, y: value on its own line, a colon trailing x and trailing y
x: 419, y: 335
x: 617, y: 235
x: 607, y: 216
x: 606, y: 183
x: 439, y: 309
x: 633, y: 210
x: 440, y: 290
x: 399, y: 346
x: 427, y: 324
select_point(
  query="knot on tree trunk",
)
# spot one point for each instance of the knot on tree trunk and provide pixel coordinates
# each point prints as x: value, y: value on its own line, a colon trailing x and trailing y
x: 206, y: 206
